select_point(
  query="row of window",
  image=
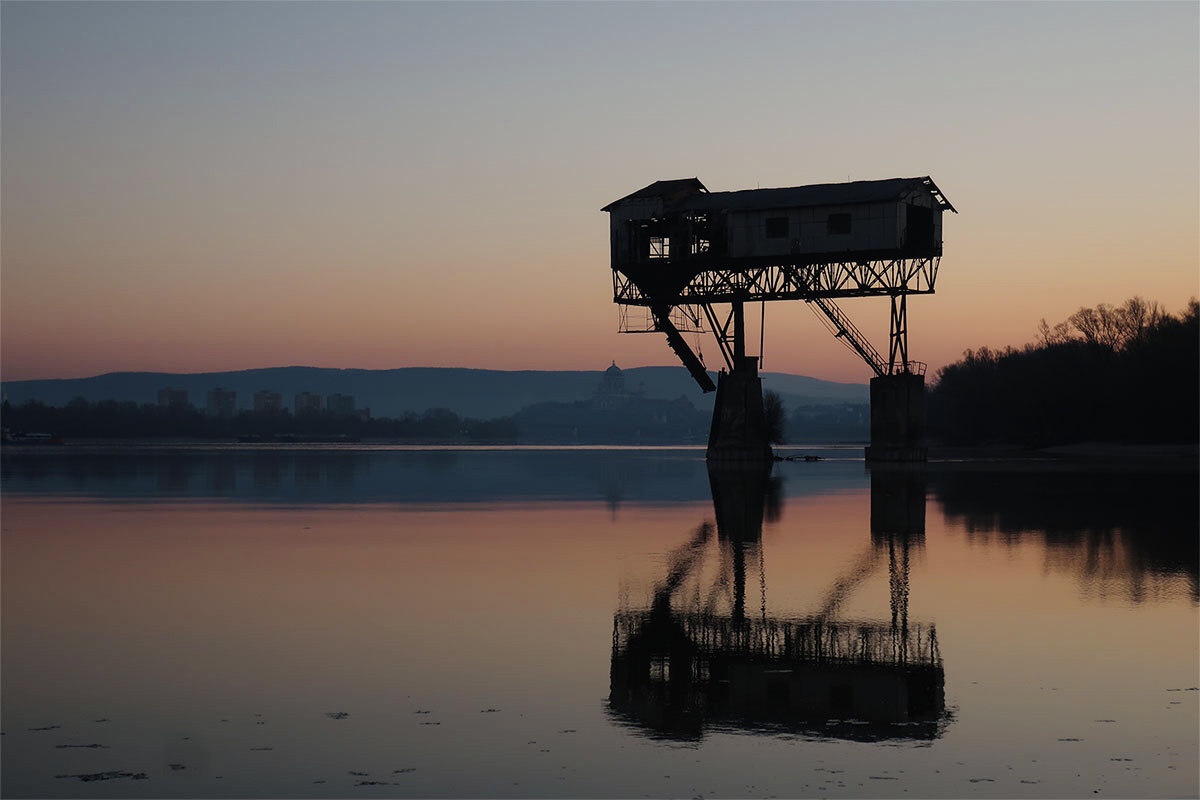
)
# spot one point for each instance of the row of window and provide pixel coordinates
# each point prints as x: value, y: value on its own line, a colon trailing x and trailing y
x: 835, y: 225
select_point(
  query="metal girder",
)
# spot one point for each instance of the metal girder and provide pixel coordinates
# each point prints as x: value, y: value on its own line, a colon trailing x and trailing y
x: 721, y: 331
x: 790, y: 282
x: 676, y: 342
x: 898, y: 335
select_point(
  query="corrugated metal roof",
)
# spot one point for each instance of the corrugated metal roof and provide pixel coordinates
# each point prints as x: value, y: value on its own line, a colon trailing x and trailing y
x: 821, y: 194
x: 663, y: 189
x: 690, y: 194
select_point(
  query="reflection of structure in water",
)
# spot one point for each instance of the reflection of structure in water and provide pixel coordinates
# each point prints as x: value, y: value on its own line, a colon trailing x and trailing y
x: 682, y: 663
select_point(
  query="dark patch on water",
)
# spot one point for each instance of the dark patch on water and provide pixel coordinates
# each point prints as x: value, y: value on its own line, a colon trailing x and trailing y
x: 111, y: 775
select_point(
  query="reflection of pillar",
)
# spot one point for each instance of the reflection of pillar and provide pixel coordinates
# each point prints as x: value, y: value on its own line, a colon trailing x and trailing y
x: 739, y: 498
x: 897, y: 418
x: 897, y: 526
x: 897, y: 501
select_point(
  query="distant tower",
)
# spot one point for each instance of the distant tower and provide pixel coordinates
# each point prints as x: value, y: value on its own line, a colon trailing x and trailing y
x: 268, y: 402
x: 678, y: 251
x: 172, y: 398
x: 222, y: 403
x: 307, y: 403
x: 341, y: 405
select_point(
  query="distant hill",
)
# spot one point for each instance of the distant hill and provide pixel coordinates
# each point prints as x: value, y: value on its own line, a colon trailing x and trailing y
x: 478, y: 393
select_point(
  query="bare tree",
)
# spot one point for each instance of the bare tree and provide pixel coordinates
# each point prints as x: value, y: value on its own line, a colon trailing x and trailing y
x: 1059, y: 334
x: 773, y: 411
x: 1116, y: 327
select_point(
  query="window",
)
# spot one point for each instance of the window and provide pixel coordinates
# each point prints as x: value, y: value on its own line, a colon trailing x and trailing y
x: 838, y: 224
x: 660, y: 247
x: 777, y: 227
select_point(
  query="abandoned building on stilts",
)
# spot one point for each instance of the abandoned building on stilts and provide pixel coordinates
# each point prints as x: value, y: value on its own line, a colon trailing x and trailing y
x: 693, y: 259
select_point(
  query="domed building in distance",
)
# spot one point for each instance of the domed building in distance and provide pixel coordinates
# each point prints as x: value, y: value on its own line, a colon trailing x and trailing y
x: 613, y: 381
x: 612, y: 391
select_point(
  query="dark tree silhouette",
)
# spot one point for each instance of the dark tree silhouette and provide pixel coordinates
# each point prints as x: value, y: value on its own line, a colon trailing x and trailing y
x: 1129, y: 373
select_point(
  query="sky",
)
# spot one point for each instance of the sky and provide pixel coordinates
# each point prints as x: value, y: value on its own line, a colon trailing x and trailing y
x: 204, y: 186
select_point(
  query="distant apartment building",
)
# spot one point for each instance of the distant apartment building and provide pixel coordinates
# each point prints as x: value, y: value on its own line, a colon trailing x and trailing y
x: 268, y: 402
x: 172, y: 398
x: 341, y: 405
x: 307, y: 403
x: 222, y: 403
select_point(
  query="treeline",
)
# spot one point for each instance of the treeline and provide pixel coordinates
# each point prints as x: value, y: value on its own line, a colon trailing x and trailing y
x: 110, y: 419
x: 1128, y: 373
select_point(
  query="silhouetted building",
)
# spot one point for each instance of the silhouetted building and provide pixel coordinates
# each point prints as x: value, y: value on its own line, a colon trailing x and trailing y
x: 222, y: 403
x: 612, y: 390
x: 341, y: 405
x: 268, y: 402
x: 307, y: 403
x: 613, y: 381
x: 172, y: 398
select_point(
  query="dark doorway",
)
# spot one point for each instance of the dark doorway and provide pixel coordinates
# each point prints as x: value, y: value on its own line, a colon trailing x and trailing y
x: 918, y: 233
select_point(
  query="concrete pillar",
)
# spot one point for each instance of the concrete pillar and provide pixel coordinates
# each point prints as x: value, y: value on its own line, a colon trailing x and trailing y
x: 739, y: 425
x: 897, y: 418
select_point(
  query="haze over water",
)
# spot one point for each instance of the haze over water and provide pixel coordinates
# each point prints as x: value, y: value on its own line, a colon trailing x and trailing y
x: 240, y: 622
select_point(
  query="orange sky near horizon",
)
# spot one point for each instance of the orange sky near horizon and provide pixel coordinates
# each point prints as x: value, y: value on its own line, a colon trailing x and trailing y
x: 207, y: 187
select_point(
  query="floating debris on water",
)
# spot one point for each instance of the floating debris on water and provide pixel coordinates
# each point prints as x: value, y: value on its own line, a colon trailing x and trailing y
x: 89, y: 746
x: 403, y: 771
x: 1070, y: 740
x: 45, y: 728
x: 336, y: 714
x: 490, y: 711
x: 353, y: 772
x: 177, y: 767
x: 108, y: 776
x: 262, y: 748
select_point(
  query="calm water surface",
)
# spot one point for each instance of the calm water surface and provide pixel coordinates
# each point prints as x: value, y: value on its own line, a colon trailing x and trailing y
x: 593, y: 623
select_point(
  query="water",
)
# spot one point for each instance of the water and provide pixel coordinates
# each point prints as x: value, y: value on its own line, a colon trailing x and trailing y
x: 344, y: 622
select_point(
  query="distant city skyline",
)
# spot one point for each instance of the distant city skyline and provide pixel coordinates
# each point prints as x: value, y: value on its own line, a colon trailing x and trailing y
x: 224, y: 186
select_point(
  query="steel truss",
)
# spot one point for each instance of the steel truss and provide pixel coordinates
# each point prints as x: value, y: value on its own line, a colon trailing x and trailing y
x: 792, y: 282
x: 819, y: 284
